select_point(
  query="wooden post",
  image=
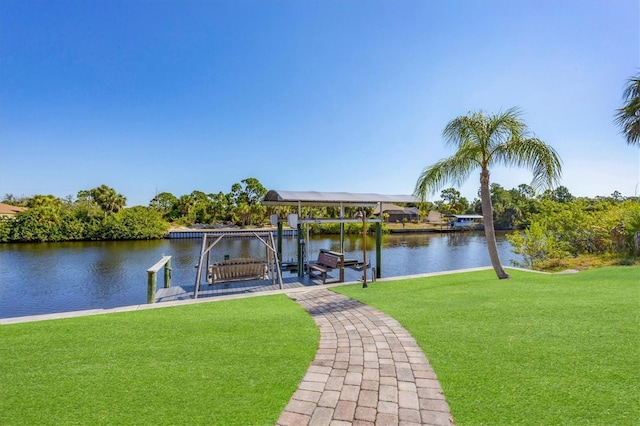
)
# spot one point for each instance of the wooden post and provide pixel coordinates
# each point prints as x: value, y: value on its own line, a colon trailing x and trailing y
x: 301, y: 249
x: 151, y: 286
x: 279, y: 237
x: 203, y: 248
x: 152, y: 277
x: 341, y: 228
x: 364, y: 249
x: 167, y: 273
x: 379, y: 249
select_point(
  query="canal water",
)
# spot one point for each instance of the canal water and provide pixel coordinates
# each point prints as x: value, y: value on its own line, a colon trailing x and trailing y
x: 59, y: 277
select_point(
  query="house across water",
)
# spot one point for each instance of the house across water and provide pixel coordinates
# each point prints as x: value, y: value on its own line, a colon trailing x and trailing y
x: 7, y: 210
x: 395, y: 213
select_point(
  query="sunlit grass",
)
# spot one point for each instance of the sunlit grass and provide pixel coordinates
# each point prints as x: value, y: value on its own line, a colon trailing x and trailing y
x: 535, y: 349
x: 234, y: 362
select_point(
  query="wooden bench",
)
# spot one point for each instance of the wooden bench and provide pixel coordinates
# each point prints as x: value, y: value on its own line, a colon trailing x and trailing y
x: 327, y: 261
x: 240, y: 269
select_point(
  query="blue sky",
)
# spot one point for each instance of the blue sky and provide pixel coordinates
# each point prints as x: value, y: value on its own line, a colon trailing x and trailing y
x: 153, y: 96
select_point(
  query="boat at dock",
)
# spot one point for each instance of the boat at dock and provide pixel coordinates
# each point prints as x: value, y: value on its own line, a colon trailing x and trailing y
x: 464, y: 221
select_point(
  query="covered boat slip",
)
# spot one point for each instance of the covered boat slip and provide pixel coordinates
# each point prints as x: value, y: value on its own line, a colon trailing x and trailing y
x: 245, y: 275
x: 339, y: 200
x: 331, y: 199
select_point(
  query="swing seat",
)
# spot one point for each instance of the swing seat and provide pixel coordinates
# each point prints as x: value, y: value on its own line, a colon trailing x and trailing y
x: 240, y: 269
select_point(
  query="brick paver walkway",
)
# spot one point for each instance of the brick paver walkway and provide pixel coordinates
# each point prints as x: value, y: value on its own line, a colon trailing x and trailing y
x: 368, y: 370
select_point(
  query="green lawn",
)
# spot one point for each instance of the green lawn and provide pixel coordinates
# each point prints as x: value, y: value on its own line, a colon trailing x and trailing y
x: 234, y: 362
x: 535, y: 349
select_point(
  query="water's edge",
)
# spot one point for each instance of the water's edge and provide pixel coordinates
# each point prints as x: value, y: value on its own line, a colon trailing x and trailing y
x: 60, y: 277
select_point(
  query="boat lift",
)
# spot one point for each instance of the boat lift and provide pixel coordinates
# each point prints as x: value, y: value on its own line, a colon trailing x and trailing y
x: 329, y: 199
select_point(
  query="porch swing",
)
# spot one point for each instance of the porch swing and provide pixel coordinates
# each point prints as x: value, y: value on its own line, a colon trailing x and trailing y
x: 237, y: 269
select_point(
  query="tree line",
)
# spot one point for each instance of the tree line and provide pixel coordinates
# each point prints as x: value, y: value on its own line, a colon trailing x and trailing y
x: 605, y: 227
x: 554, y: 224
x: 101, y: 214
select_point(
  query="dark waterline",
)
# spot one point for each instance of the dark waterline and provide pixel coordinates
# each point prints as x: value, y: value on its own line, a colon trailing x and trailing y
x: 60, y: 277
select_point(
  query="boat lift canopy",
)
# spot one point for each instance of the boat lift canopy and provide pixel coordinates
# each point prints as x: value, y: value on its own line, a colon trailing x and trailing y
x: 332, y: 199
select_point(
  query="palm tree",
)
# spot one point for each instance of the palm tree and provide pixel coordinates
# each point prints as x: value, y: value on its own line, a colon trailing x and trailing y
x: 483, y: 141
x: 107, y: 198
x: 628, y: 117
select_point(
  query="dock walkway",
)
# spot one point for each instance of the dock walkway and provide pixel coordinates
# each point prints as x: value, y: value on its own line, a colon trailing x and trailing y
x: 289, y: 282
x: 368, y: 370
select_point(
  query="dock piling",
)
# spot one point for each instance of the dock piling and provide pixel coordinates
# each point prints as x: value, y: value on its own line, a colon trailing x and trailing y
x: 152, y: 277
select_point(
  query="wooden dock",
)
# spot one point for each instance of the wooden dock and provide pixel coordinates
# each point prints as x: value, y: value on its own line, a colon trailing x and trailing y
x: 185, y: 292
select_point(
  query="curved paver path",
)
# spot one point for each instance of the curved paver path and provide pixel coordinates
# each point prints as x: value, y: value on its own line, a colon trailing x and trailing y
x: 368, y: 370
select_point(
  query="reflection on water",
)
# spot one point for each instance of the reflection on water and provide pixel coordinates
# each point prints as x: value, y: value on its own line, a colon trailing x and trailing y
x: 407, y: 240
x: 57, y: 277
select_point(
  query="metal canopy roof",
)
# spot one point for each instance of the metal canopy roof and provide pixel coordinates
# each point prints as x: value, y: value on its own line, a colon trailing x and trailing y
x: 347, y: 199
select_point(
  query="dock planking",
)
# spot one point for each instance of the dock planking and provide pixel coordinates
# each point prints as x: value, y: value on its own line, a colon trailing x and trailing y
x: 175, y: 293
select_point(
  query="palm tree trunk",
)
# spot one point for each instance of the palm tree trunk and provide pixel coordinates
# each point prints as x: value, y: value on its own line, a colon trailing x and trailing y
x: 487, y: 219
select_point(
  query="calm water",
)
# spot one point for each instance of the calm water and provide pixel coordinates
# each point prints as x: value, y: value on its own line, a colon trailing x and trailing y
x: 59, y: 277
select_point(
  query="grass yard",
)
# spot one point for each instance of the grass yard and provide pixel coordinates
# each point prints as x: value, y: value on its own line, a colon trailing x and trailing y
x: 224, y: 363
x: 535, y: 349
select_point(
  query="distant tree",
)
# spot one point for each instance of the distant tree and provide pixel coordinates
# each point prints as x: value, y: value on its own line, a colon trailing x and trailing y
x: 484, y: 141
x: 249, y: 191
x: 201, y: 207
x: 452, y: 202
x: 617, y: 196
x: 628, y: 117
x: 105, y: 197
x: 247, y: 196
x: 47, y: 201
x: 511, y: 208
x: 167, y: 204
x: 84, y: 197
x: 560, y: 194
x: 221, y: 205
x: 526, y: 190
x: 450, y: 195
x: 506, y: 209
x: 186, y: 203
x: 425, y: 207
x: 14, y: 201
